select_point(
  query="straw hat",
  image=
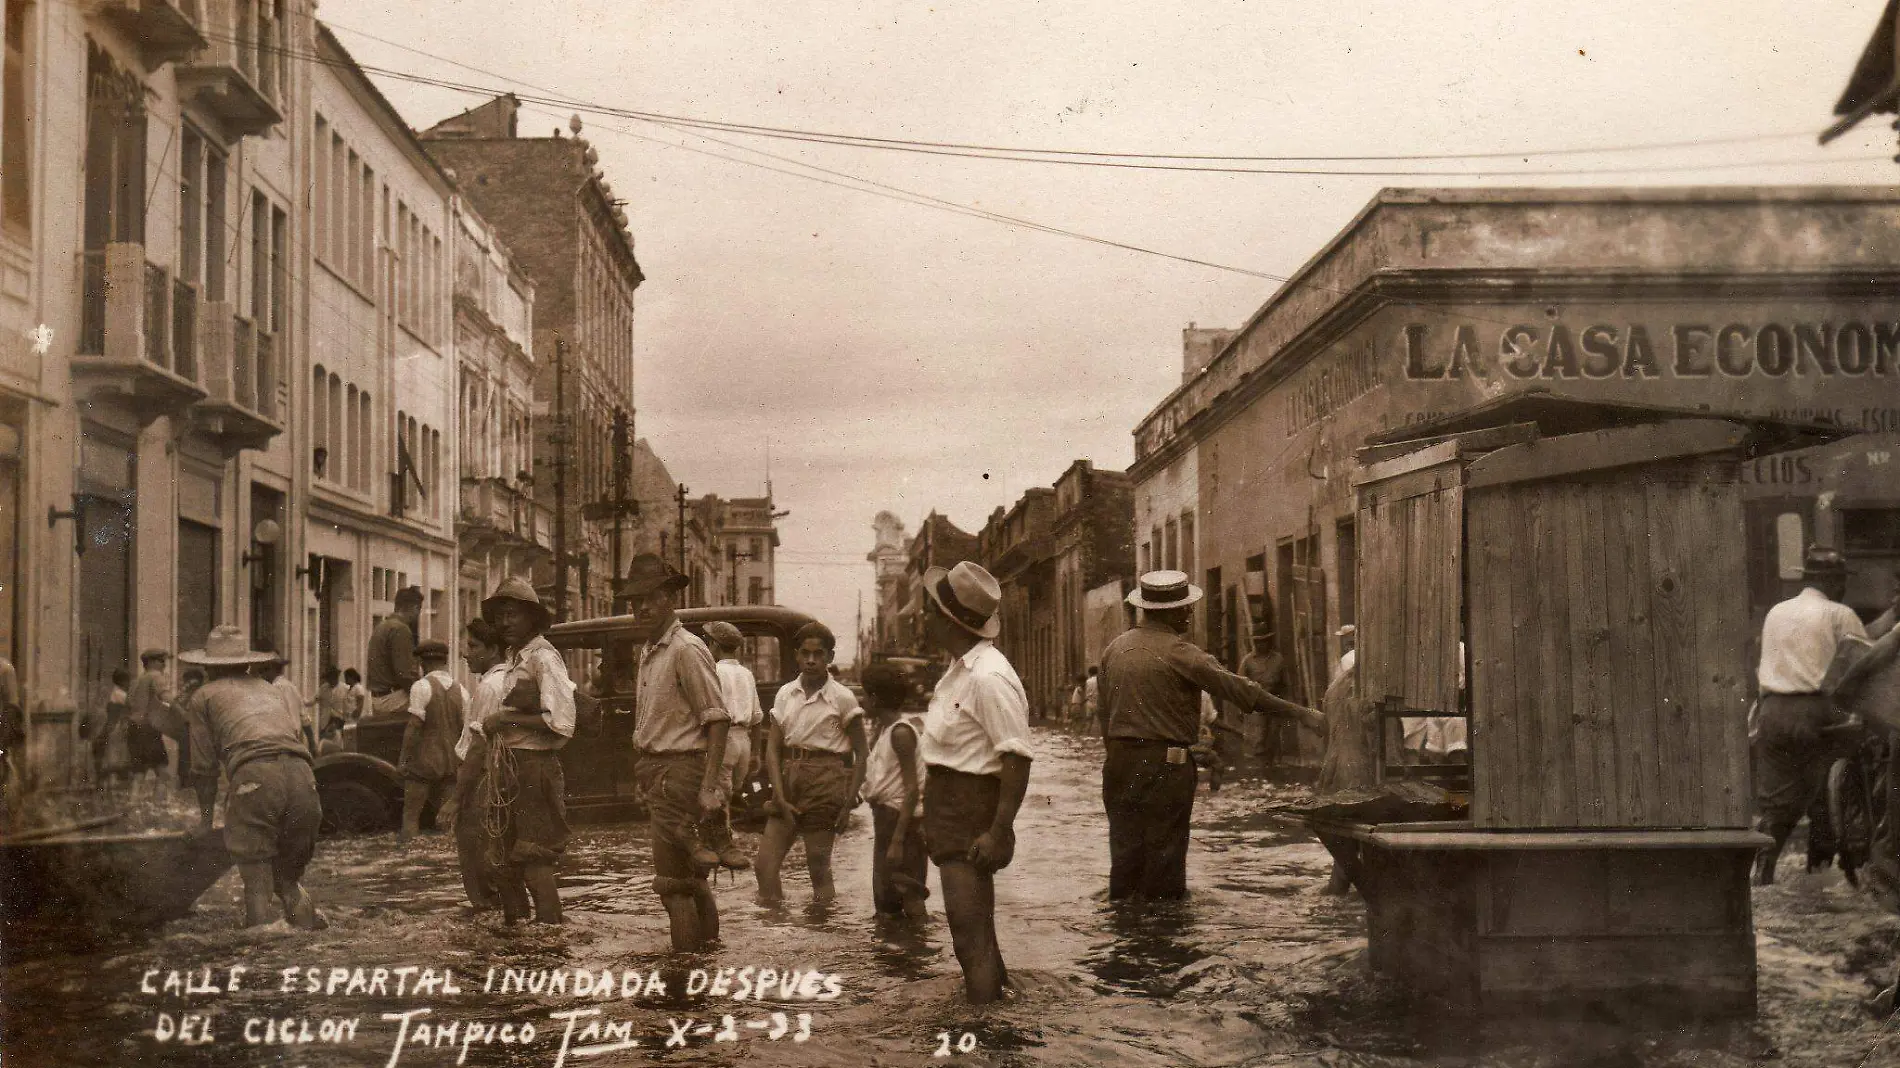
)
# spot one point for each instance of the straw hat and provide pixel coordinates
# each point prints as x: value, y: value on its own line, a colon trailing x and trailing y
x: 969, y: 595
x: 1158, y: 590
x: 226, y: 646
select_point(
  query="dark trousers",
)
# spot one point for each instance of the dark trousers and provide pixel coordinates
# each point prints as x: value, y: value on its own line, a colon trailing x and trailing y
x: 915, y: 865
x: 1791, y: 761
x: 1150, y: 803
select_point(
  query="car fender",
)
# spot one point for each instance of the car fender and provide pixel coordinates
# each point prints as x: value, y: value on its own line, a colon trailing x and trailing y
x: 360, y: 767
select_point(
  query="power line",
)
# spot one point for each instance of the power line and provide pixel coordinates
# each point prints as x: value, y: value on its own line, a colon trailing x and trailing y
x: 1003, y: 151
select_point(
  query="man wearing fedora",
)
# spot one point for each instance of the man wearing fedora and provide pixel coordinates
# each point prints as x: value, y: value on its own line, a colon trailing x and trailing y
x: 1799, y: 638
x: 679, y: 739
x: 534, y: 722
x: 976, y: 752
x: 271, y: 817
x: 1153, y: 678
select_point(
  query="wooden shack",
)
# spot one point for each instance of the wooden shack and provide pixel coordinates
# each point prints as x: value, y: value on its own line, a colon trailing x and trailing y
x: 1589, y: 558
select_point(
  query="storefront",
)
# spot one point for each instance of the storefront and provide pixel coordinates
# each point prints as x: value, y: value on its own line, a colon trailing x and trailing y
x: 1765, y: 302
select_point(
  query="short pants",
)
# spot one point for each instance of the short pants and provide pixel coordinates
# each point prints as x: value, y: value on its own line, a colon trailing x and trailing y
x: 669, y: 784
x: 958, y: 808
x: 819, y: 786
x: 273, y: 814
x: 536, y: 827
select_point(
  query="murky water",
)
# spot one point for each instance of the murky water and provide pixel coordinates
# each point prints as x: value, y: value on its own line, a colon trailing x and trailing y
x: 1257, y: 969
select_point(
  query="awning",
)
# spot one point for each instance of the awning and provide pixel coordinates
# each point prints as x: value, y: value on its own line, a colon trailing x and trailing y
x: 1875, y: 85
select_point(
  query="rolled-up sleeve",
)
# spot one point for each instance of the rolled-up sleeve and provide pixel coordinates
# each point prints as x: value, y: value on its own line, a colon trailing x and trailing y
x: 549, y: 672
x: 1002, y: 710
x: 419, y: 699
x: 848, y: 707
x: 699, y: 685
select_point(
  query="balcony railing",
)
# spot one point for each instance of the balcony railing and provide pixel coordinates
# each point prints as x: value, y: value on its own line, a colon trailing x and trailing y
x: 138, y: 332
x: 162, y: 30
x: 227, y: 79
x: 241, y: 411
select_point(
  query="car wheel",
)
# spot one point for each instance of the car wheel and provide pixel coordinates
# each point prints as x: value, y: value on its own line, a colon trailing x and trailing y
x: 351, y: 807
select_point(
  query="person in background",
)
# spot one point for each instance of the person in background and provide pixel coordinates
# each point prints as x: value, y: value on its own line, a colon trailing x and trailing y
x: 295, y: 704
x: 1153, y: 677
x: 436, y: 706
x: 189, y: 682
x: 359, y: 694
x: 392, y: 654
x: 1266, y: 667
x: 271, y: 817
x: 1348, y: 636
x: 1350, y: 763
x: 816, y: 724
x: 336, y: 707
x: 1072, y: 711
x: 109, y: 732
x: 740, y: 688
x: 1799, y: 638
x: 1092, y: 699
x: 535, y: 720
x: 679, y: 735
x: 156, y: 740
x: 975, y: 746
x: 487, y: 660
x: 894, y: 785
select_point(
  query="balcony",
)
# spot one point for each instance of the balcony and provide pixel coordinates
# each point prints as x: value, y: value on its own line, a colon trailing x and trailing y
x: 495, y: 515
x: 234, y: 78
x: 138, y: 334
x: 164, y: 31
x: 240, y: 377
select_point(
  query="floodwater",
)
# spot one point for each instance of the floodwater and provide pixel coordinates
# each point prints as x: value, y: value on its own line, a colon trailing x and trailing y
x: 1258, y: 968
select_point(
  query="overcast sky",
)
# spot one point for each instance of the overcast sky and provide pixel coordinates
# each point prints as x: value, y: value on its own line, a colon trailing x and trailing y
x: 907, y: 358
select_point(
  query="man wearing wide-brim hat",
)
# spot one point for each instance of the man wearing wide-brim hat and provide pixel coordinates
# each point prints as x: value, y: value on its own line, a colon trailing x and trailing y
x: 1799, y: 638
x: 1152, y: 681
x: 272, y: 815
x: 535, y: 721
x: 976, y: 752
x: 680, y: 725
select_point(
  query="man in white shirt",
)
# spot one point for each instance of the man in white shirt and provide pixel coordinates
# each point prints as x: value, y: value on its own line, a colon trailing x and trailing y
x: 1798, y: 641
x: 740, y: 688
x: 487, y: 660
x: 436, y: 706
x: 976, y: 751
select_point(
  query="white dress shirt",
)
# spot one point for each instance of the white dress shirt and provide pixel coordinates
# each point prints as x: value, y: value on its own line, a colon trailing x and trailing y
x: 1798, y: 640
x: 420, y: 692
x: 484, y: 701
x: 816, y: 720
x: 978, y: 712
x: 740, y: 688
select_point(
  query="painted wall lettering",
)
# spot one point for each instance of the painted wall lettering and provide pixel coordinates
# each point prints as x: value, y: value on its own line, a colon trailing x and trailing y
x: 1563, y: 351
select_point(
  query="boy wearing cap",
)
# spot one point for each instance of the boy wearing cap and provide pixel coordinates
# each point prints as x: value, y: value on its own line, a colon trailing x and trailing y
x: 271, y: 818
x: 679, y: 740
x: 1799, y: 638
x: 975, y: 746
x: 436, y: 706
x: 1153, y: 678
x: 816, y: 723
x: 740, y: 688
x: 535, y: 720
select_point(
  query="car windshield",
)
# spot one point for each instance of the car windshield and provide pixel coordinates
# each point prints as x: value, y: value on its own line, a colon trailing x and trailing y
x: 614, y: 675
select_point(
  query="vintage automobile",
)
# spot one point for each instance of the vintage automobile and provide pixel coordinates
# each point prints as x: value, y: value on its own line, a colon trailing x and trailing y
x: 362, y: 791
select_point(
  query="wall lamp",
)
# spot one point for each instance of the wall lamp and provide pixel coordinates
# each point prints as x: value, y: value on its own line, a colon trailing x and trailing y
x: 266, y: 532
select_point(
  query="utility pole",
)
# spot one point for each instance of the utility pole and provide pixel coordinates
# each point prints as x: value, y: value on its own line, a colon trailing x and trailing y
x: 680, y: 534
x: 622, y: 434
x: 558, y: 438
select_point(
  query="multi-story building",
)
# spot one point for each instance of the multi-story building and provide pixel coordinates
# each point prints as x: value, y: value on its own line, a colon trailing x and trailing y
x: 549, y: 202
x: 1018, y: 549
x: 748, y: 542
x: 380, y: 405
x: 888, y: 558
x: 937, y: 543
x: 502, y: 530
x: 149, y: 237
x: 1094, y: 549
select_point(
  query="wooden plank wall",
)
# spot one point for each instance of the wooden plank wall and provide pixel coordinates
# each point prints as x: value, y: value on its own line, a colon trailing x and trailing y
x: 1607, y: 618
x: 1411, y: 554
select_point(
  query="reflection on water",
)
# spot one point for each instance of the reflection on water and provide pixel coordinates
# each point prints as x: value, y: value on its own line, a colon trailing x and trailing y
x: 1256, y: 968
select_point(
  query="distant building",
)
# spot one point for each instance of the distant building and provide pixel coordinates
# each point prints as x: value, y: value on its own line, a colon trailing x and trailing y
x: 1094, y: 536
x: 553, y: 207
x: 938, y: 543
x: 749, y: 546
x: 888, y: 558
x: 1017, y: 547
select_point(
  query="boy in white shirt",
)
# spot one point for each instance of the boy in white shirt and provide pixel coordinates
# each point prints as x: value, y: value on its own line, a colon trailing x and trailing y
x: 816, y: 721
x: 740, y: 688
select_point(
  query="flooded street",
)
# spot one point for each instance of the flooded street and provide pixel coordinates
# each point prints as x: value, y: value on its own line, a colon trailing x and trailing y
x: 1257, y: 969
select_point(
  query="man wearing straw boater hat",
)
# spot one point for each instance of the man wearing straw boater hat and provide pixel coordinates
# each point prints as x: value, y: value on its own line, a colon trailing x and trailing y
x: 524, y: 803
x: 271, y: 818
x: 680, y: 724
x: 1152, y: 681
x: 1799, y: 638
x: 976, y: 752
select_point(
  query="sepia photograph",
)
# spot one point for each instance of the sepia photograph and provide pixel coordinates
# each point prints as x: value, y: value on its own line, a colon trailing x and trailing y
x: 845, y: 534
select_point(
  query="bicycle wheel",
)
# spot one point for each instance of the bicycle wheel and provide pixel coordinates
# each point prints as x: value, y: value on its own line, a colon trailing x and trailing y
x: 1850, y: 808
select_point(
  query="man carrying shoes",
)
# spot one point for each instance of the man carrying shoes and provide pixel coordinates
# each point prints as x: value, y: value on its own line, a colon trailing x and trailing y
x: 1152, y: 681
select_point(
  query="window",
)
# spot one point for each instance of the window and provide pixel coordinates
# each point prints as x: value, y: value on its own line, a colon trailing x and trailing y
x: 1170, y: 546
x: 1147, y: 563
x: 16, y: 171
x: 1187, y: 542
x: 320, y: 439
x: 260, y: 260
x: 115, y: 152
x: 755, y: 590
x: 320, y: 186
x: 359, y: 444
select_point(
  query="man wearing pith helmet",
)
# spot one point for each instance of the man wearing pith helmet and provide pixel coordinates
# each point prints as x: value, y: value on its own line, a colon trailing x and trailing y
x: 1152, y: 681
x: 976, y: 752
